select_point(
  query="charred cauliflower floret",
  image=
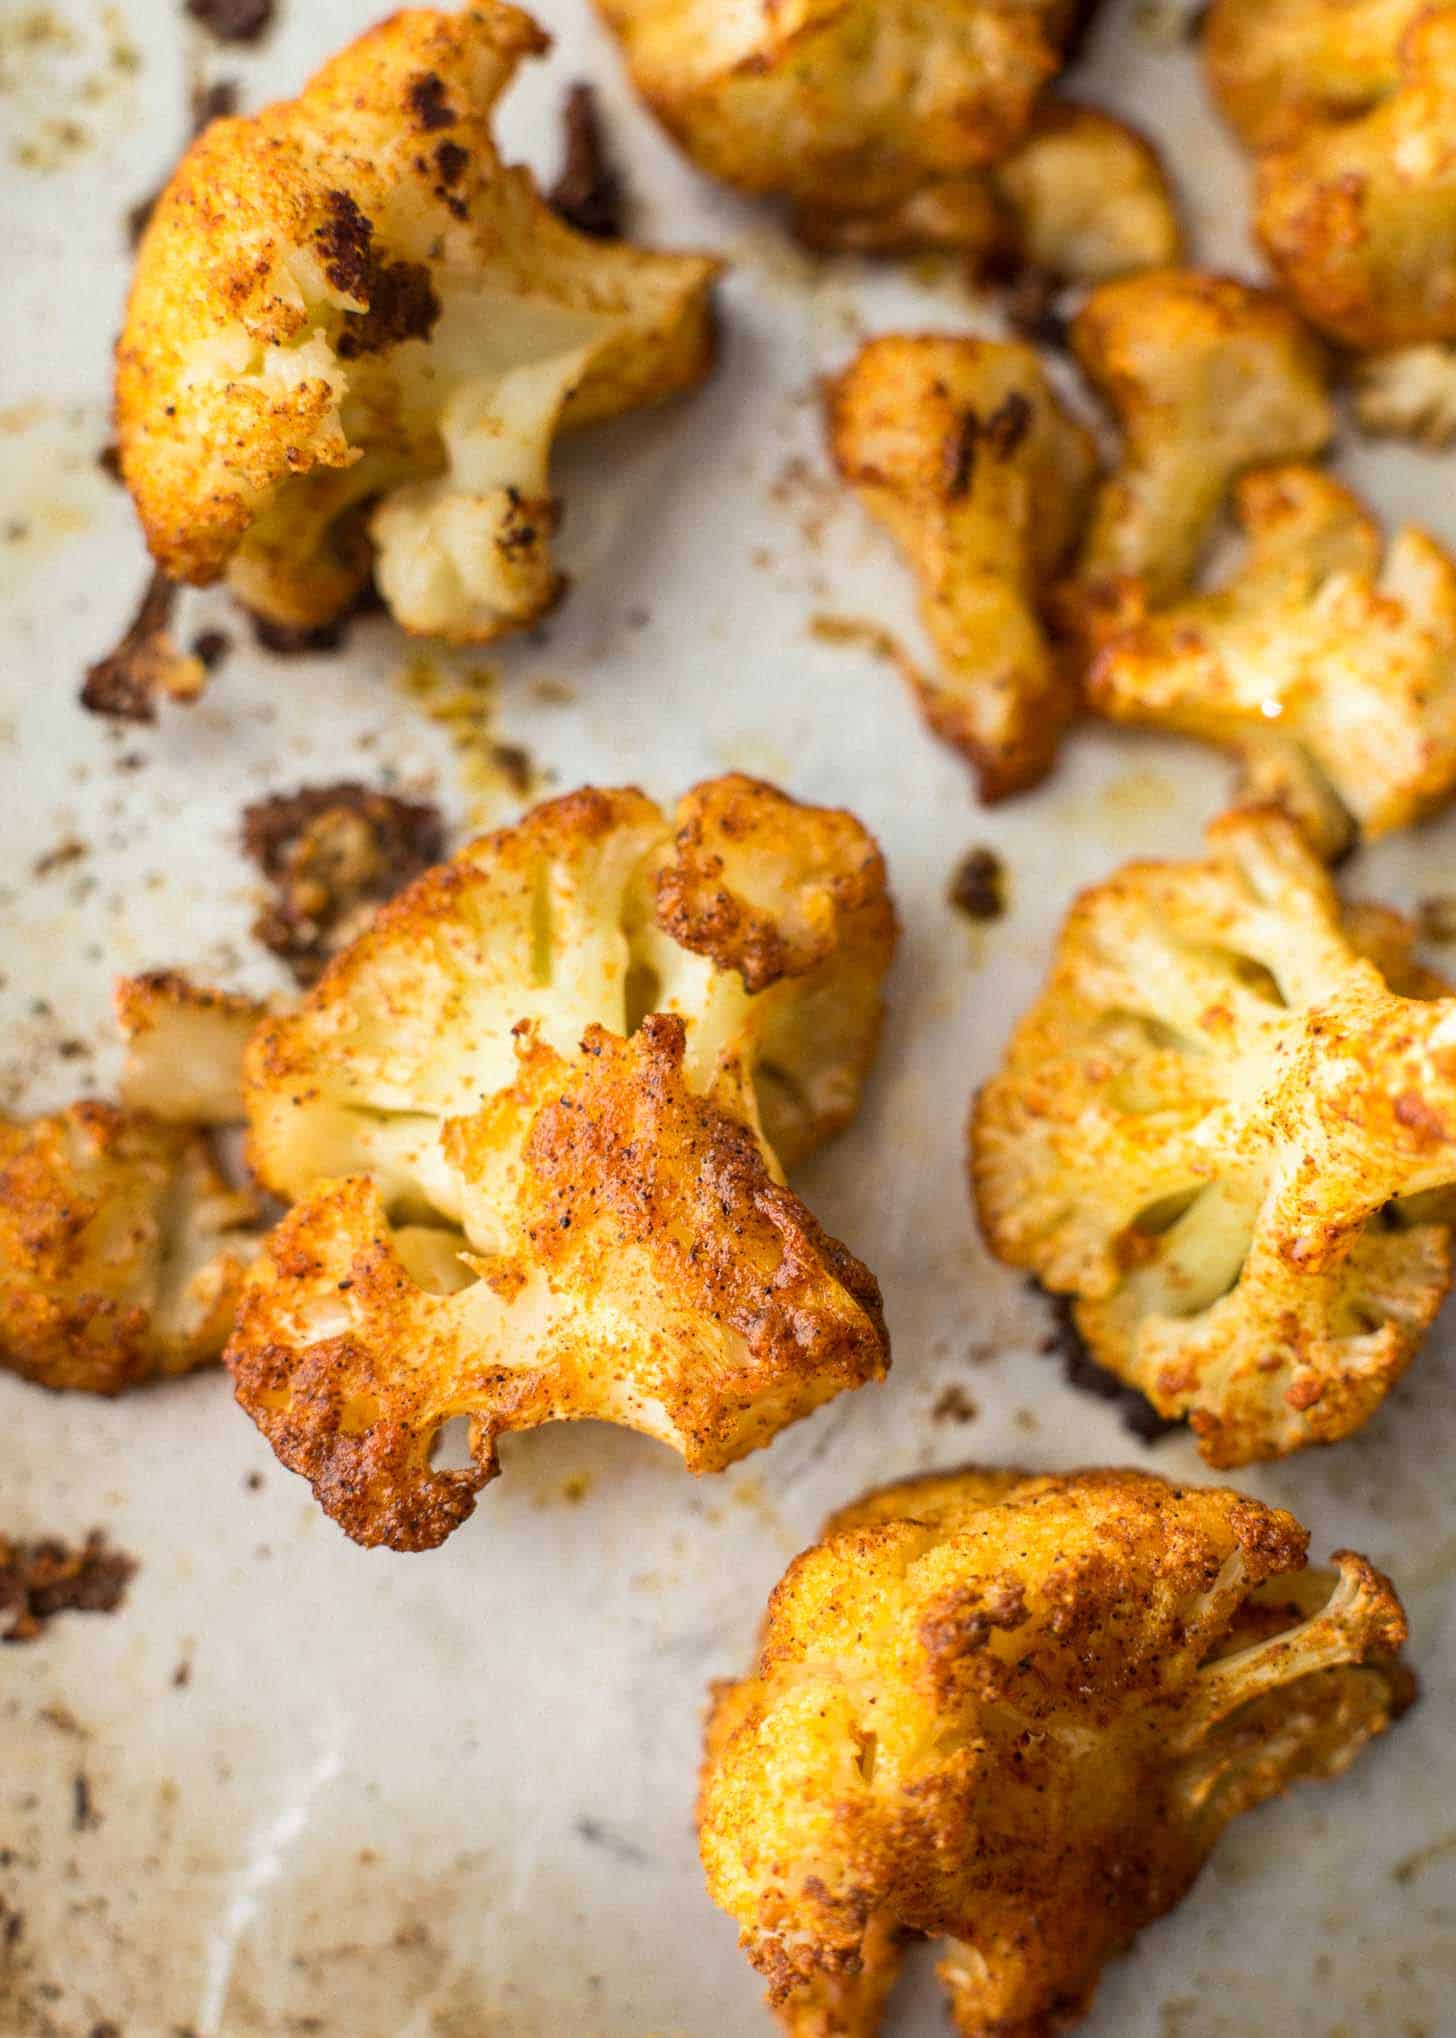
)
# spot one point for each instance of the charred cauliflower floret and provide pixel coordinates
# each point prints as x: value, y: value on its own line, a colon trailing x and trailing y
x: 1223, y: 1129
x: 122, y: 1249
x: 1205, y: 377
x: 1326, y: 660
x: 1281, y: 67
x: 533, y: 1123
x: 1358, y: 217
x: 354, y: 333
x: 962, y: 449
x: 842, y: 105
x: 1083, y: 198
x: 1015, y: 1713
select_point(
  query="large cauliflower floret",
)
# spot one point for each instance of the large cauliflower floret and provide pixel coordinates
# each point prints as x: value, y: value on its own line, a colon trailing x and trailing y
x: 533, y: 1122
x: 1016, y: 1712
x: 1280, y: 67
x: 1205, y: 377
x: 842, y: 105
x: 1222, y: 1129
x: 122, y: 1249
x: 353, y: 329
x: 962, y: 449
x: 1358, y: 217
x: 1082, y: 198
x: 1330, y: 668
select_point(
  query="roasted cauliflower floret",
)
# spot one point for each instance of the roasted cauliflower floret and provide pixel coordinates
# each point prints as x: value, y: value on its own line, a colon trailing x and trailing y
x: 1205, y: 377
x: 533, y: 1121
x: 1330, y: 668
x: 1223, y: 1129
x: 122, y: 1249
x: 1409, y: 392
x: 1015, y: 1712
x: 354, y: 333
x: 1358, y: 217
x: 1083, y: 198
x: 842, y: 105
x: 1281, y: 67
x: 184, y: 1048
x: 962, y: 449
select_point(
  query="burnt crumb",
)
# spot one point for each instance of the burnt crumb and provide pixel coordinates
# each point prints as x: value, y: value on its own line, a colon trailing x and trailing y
x: 333, y: 854
x: 84, y: 1815
x: 588, y: 194
x: 41, y: 1579
x: 72, y: 1050
x: 106, y: 2029
x: 1080, y: 1369
x: 345, y: 243
x: 109, y: 461
x: 253, y: 1482
x: 234, y: 20
x: 210, y: 647
x: 428, y: 103
x: 1031, y: 308
x: 402, y: 306
x: 515, y: 767
x: 182, y: 1675
x: 978, y: 885
x: 60, y: 858
x: 954, y: 1405
x: 126, y: 682
x: 595, y: 1834
x: 958, y: 461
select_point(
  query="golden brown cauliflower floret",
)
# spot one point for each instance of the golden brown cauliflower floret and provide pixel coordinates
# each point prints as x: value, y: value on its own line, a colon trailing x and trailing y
x: 354, y: 333
x: 1281, y: 67
x: 1221, y: 1129
x: 1015, y: 1712
x: 1205, y: 377
x: 1327, y: 661
x: 962, y: 449
x: 122, y: 1249
x: 849, y: 105
x: 533, y: 1121
x: 1358, y: 217
x: 1083, y: 198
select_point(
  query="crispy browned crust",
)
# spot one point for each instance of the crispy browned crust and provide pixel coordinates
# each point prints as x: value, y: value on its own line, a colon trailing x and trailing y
x: 661, y: 1278
x: 94, y: 1202
x: 1016, y: 1712
x: 1358, y: 217
x: 961, y: 447
x: 1226, y: 1135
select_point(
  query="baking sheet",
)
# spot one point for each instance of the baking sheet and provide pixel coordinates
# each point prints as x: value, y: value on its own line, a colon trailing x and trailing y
x: 445, y: 1796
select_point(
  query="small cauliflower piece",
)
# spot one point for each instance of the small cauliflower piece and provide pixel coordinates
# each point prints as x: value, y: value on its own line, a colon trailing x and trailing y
x: 534, y: 1121
x: 1205, y: 377
x: 122, y: 1249
x: 1358, y: 217
x: 1083, y: 198
x: 184, y: 1048
x: 1015, y: 1712
x: 850, y: 105
x: 1281, y: 67
x: 1230, y: 1135
x: 354, y: 333
x: 961, y: 447
x: 1329, y: 668
x: 1408, y: 393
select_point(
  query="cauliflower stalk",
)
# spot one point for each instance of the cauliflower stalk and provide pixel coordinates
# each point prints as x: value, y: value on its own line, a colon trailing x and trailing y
x: 962, y: 449
x: 1015, y: 1713
x: 354, y: 333
x: 533, y: 1122
x: 1205, y: 377
x: 1327, y: 661
x: 1230, y: 1135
